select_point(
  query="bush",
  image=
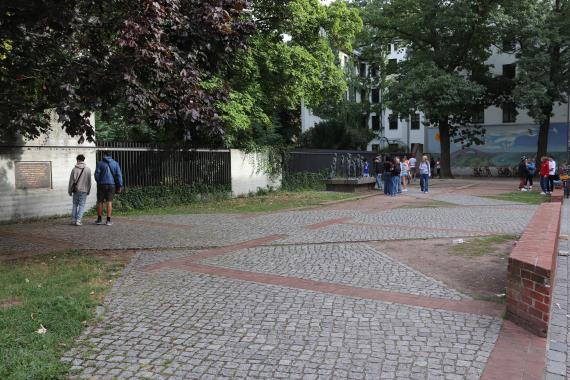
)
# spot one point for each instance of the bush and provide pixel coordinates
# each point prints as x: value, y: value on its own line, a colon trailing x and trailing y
x: 303, y: 181
x: 164, y: 196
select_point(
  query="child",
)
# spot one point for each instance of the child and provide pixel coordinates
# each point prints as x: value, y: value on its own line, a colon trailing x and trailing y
x: 404, y: 174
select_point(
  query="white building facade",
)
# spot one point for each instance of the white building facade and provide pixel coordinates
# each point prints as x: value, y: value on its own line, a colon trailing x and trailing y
x: 509, y: 133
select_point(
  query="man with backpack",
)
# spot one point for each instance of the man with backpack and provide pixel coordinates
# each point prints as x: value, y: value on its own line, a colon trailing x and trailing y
x: 109, y: 181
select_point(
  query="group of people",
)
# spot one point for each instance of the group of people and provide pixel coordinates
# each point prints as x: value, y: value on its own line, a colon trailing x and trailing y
x: 393, y: 174
x: 548, y: 174
x: 109, y: 180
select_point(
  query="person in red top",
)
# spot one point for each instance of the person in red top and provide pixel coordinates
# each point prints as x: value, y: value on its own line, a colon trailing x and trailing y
x: 544, y: 172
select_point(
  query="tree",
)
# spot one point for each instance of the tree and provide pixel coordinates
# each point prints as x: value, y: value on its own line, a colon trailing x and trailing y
x: 154, y: 57
x: 293, y: 57
x: 542, y: 29
x: 446, y: 42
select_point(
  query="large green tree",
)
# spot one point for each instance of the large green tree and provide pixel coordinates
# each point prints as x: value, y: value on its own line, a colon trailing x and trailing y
x: 446, y: 42
x: 292, y: 57
x: 152, y: 57
x: 542, y: 29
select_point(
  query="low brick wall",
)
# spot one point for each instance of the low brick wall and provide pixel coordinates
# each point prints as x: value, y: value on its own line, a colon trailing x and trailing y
x: 532, y: 265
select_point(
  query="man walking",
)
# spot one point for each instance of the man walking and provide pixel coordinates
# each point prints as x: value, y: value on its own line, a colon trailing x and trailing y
x: 109, y: 180
x: 79, y: 188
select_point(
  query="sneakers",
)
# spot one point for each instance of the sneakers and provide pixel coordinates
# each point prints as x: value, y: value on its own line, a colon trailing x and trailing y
x: 99, y: 222
x: 73, y: 222
x: 523, y: 189
x: 542, y: 193
x: 78, y: 223
x: 109, y: 223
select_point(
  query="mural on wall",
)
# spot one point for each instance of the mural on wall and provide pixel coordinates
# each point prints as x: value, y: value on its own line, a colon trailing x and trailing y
x: 504, y: 145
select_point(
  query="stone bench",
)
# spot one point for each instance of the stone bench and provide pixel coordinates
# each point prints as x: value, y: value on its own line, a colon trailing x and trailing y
x: 350, y: 185
x: 532, y: 265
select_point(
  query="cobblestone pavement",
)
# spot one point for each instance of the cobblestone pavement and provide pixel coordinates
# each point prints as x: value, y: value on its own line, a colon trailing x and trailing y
x: 329, y: 307
x: 178, y: 324
x: 558, y: 343
x: 354, y: 264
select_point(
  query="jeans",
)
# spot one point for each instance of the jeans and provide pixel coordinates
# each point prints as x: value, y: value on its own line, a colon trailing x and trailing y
x: 387, y: 183
x: 399, y: 185
x: 424, y: 180
x: 544, y: 184
x: 78, y: 206
x: 379, y: 181
x: 395, y: 185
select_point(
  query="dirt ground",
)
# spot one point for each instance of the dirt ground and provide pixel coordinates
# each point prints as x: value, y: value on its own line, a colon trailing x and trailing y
x: 481, y: 276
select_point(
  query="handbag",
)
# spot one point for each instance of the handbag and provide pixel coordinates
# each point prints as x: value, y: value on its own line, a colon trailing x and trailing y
x: 74, y: 186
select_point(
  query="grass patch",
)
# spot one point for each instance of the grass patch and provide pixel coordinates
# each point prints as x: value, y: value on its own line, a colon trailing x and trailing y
x: 481, y: 246
x: 58, y: 291
x: 529, y: 197
x: 430, y: 204
x: 272, y: 201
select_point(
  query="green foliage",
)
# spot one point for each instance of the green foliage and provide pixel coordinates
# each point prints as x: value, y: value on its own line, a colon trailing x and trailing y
x: 59, y: 292
x: 139, y: 198
x: 303, y: 181
x: 336, y: 134
x: 289, y: 60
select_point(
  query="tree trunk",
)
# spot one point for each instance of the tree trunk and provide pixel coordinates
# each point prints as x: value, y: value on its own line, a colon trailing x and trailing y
x: 444, y: 143
x: 543, y: 138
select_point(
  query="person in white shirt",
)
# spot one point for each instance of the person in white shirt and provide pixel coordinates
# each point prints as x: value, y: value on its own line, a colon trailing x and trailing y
x: 425, y: 173
x: 412, y: 165
x: 551, y: 173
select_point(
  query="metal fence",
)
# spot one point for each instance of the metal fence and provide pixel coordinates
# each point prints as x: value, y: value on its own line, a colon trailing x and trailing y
x: 316, y: 160
x: 152, y: 165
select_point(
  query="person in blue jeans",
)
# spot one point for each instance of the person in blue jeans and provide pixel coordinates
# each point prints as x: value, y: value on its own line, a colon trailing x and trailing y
x: 425, y: 173
x: 79, y: 188
x: 396, y: 177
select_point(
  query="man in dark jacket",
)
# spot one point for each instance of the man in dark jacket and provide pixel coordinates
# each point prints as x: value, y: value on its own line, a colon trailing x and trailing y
x: 109, y: 180
x: 523, y: 173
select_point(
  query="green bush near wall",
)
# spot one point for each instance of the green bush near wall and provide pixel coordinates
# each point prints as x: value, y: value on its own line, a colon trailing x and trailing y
x: 137, y: 198
x: 303, y: 181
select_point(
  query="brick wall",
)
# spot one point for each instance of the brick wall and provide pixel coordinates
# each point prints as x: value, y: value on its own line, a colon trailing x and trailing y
x: 532, y: 265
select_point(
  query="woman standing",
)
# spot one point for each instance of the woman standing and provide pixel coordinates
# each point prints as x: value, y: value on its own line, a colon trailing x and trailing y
x: 425, y: 173
x: 387, y: 176
x: 396, y: 177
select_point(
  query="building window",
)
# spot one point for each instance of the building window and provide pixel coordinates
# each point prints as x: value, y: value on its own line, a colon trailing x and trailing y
x: 374, y: 71
x: 509, y: 113
x: 375, y: 148
x: 363, y: 97
x: 346, y: 65
x: 415, y: 122
x: 364, y: 122
x: 375, y: 95
x: 362, y: 70
x: 392, y: 67
x: 375, y: 123
x: 393, y: 121
x: 478, y: 117
x: 509, y: 45
x: 509, y: 71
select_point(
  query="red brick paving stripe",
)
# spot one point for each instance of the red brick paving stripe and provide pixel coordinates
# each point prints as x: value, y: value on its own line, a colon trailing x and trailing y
x: 463, y: 306
x: 423, y: 228
x: 518, y: 355
x: 327, y: 223
x: 175, y: 263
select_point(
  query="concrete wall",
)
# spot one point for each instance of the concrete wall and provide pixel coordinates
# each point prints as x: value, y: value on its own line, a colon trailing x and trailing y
x: 247, y: 175
x: 57, y: 148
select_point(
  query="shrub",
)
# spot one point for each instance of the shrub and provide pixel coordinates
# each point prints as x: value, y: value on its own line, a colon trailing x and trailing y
x: 164, y: 196
x: 303, y: 181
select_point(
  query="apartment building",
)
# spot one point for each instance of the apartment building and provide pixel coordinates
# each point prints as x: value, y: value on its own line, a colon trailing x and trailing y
x: 510, y: 132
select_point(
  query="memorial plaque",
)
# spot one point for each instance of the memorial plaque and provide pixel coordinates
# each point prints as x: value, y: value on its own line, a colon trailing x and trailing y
x: 33, y: 174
